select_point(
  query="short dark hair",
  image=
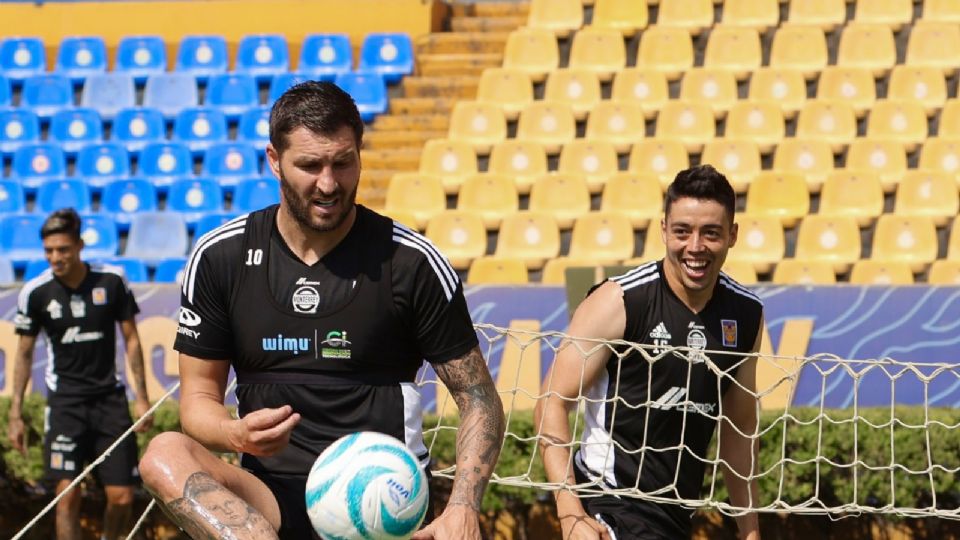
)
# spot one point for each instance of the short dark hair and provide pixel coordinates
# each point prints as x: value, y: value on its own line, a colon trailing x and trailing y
x: 702, y: 182
x: 321, y: 107
x: 63, y: 221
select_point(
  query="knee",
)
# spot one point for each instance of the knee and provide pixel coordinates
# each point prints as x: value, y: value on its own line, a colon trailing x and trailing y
x: 166, y: 454
x: 70, y: 502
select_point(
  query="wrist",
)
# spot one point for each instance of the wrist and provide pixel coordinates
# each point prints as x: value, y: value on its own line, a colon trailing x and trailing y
x: 228, y: 437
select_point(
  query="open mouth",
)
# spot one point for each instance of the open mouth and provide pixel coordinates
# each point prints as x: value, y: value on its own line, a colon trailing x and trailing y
x: 325, y: 203
x: 695, y: 268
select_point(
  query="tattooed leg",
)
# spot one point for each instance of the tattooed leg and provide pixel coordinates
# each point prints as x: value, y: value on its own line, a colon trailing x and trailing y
x: 208, y: 510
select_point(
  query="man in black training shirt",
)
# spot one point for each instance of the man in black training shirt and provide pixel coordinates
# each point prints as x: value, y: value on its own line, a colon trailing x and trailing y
x: 78, y: 306
x: 639, y: 412
x: 325, y: 310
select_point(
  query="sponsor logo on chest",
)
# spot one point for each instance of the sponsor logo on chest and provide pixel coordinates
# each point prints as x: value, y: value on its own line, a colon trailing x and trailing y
x: 336, y: 346
x: 280, y: 343
x: 74, y: 335
x: 676, y: 399
x: 697, y: 341
x: 306, y: 298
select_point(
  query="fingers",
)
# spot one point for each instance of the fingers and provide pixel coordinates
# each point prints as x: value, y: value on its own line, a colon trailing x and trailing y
x: 425, y: 533
x: 266, y: 418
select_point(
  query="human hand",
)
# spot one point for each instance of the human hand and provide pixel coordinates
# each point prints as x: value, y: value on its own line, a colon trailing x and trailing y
x: 15, y: 432
x: 140, y: 408
x: 456, y: 522
x: 583, y: 527
x: 263, y: 432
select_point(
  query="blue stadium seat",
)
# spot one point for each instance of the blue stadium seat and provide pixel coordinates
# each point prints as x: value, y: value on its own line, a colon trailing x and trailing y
x: 323, y: 56
x: 58, y: 193
x: 80, y: 57
x: 170, y: 270
x: 232, y: 93
x: 123, y: 198
x: 210, y: 222
x: 199, y: 128
x: 262, y: 56
x: 137, y: 127
x: 12, y: 198
x: 202, y: 56
x: 34, y: 267
x: 141, y: 56
x: 155, y: 236
x: 46, y: 94
x: 228, y: 162
x: 108, y: 93
x: 100, y: 236
x: 389, y: 54
x: 255, y: 193
x: 254, y: 127
x: 34, y: 163
x: 7, y: 273
x: 102, y: 163
x: 6, y: 91
x: 20, y: 238
x: 162, y: 163
x: 134, y: 270
x: 171, y: 93
x: 280, y: 83
x: 368, y: 91
x: 22, y: 57
x: 193, y: 198
x: 17, y: 128
x: 75, y: 128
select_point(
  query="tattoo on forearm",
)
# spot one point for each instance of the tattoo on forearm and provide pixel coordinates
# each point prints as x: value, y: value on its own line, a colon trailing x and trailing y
x: 136, y: 369
x: 209, y: 511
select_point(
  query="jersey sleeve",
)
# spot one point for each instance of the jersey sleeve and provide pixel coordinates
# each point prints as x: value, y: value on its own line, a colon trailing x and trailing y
x: 26, y: 322
x: 126, y: 303
x: 203, y: 327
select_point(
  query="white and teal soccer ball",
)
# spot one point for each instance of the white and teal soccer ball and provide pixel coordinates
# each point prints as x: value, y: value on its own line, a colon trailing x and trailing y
x: 366, y: 486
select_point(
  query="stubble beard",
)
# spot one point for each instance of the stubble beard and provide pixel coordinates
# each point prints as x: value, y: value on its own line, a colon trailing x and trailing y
x: 300, y: 208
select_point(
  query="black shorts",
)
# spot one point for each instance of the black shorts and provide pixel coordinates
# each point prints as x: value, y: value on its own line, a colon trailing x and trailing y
x: 79, y: 429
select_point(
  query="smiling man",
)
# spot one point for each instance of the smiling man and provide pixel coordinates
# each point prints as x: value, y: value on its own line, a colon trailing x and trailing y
x: 649, y: 422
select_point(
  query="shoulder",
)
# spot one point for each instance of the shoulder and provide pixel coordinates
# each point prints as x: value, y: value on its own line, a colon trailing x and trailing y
x: 108, y: 273
x: 640, y: 279
x: 413, y: 250
x: 34, y: 287
x: 220, y: 245
x: 739, y: 294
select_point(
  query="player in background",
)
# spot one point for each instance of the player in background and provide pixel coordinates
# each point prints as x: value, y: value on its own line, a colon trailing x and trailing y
x: 78, y: 306
x: 683, y: 300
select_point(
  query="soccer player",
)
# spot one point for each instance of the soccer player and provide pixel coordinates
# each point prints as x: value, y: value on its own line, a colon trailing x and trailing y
x: 640, y: 411
x: 325, y: 310
x: 78, y: 306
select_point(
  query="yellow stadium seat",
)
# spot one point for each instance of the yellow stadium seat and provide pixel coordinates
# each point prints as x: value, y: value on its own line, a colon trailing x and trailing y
x: 599, y: 50
x: 638, y: 196
x: 950, y: 119
x: 944, y: 272
x: 564, y: 195
x: 910, y: 239
x: 812, y: 159
x: 459, y: 235
x: 532, y: 237
x: 606, y: 238
x: 647, y: 87
x: 548, y: 123
x: 852, y: 85
x: 782, y: 87
x: 577, y: 88
x: 892, y: 13
x: 734, y: 49
x: 451, y: 161
x: 873, y: 272
x: 626, y: 16
x: 928, y: 193
x: 662, y: 157
x: 653, y: 246
x: 852, y: 193
x: 511, y: 89
x: 480, y: 124
x: 421, y: 195
x: 831, y: 121
x: 524, y: 161
x: 554, y: 271
x: 953, y: 242
x: 760, y: 242
x: 941, y: 154
x: 561, y: 17
x: 619, y: 123
x: 947, y: 11
x: 800, y: 48
x: 831, y: 239
x: 596, y: 161
x: 934, y: 44
x: 690, y: 122
x: 737, y: 159
x: 903, y: 121
x: 923, y: 84
x: 497, y: 271
x: 755, y: 14
x: 800, y: 272
x: 867, y: 46
x: 490, y: 196
x: 758, y: 121
x: 884, y: 158
x: 403, y: 217
x: 717, y: 88
x: 691, y: 15
x: 533, y: 51
x: 780, y: 195
x: 827, y: 14
x: 741, y: 271
x: 665, y: 49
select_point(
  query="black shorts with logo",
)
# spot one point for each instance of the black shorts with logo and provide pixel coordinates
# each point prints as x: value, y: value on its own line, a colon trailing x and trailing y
x: 79, y: 429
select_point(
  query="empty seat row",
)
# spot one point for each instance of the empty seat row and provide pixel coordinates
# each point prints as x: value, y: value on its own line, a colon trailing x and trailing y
x: 168, y: 270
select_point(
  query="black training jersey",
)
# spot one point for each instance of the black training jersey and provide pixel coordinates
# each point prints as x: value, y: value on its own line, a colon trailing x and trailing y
x: 652, y: 408
x: 80, y: 325
x: 341, y: 340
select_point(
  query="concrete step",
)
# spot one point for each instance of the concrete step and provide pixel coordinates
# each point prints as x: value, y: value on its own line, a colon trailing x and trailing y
x: 407, y: 105
x: 461, y: 42
x: 456, y: 64
x: 387, y: 140
x: 395, y: 122
x: 486, y: 24
x: 441, y: 87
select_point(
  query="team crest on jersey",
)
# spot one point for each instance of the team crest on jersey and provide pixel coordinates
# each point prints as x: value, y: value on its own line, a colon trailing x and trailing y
x: 336, y: 346
x: 306, y: 299
x: 729, y: 328
x: 78, y: 308
x: 55, y: 309
x: 56, y: 460
x: 696, y: 340
x: 99, y: 296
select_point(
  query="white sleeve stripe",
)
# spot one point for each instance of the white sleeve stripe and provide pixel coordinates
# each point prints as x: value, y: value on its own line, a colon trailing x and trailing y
x: 629, y: 279
x: 439, y: 264
x: 636, y: 282
x: 424, y: 245
x: 189, y: 282
x: 447, y: 289
x: 112, y: 269
x: 210, y: 236
x: 24, y: 297
x: 737, y: 288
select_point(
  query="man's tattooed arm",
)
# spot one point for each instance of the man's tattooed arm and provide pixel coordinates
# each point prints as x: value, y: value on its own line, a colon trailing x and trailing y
x: 481, y: 425
x: 209, y: 511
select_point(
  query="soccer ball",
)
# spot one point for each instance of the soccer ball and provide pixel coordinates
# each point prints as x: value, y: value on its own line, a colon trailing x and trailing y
x: 366, y: 486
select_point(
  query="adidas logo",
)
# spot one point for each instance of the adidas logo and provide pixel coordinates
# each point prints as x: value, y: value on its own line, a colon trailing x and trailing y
x: 660, y: 332
x: 675, y: 398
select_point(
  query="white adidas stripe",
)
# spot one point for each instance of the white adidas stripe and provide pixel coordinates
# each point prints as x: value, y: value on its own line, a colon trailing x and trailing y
x: 30, y: 286
x: 227, y: 230
x: 638, y: 276
x: 448, y: 277
x: 729, y: 283
x: 111, y: 269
